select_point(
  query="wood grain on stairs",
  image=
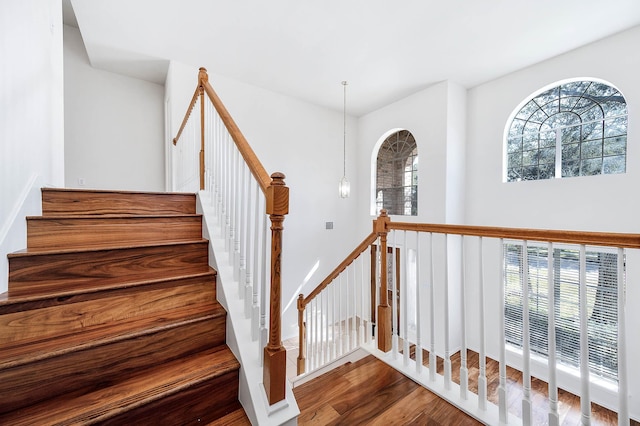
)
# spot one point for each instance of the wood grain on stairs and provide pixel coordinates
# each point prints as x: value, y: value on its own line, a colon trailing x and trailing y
x: 47, y: 232
x: 62, y: 202
x: 63, y: 270
x: 111, y: 316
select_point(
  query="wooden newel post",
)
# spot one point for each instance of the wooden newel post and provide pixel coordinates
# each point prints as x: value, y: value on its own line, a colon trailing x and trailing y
x: 203, y: 77
x: 302, y: 336
x: 275, y: 355
x: 384, y: 311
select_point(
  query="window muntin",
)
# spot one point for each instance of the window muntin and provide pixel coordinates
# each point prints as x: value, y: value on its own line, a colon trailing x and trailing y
x: 602, y: 296
x: 397, y: 175
x: 574, y: 129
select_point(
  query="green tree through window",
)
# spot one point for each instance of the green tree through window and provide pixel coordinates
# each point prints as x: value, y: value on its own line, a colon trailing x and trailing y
x: 574, y: 129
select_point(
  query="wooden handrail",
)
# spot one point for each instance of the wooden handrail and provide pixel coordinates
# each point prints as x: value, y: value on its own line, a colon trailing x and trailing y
x: 276, y: 206
x: 382, y: 225
x: 257, y: 169
x: 188, y: 113
x: 364, y: 245
x: 611, y: 239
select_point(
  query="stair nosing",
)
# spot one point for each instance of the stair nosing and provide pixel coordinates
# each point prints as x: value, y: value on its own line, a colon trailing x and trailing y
x: 26, y: 253
x: 132, y: 334
x: 115, y: 191
x: 113, y: 216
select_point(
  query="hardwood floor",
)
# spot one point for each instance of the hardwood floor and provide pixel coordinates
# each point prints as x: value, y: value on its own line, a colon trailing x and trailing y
x: 370, y: 392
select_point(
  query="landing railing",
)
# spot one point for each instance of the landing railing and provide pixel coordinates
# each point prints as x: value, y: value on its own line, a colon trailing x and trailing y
x: 213, y: 156
x: 549, y: 303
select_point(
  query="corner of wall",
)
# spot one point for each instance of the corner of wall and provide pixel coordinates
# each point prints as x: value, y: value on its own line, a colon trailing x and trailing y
x: 13, y: 233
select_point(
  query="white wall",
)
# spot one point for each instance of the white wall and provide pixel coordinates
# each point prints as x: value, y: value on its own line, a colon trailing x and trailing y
x: 114, y: 125
x: 600, y: 203
x: 424, y: 114
x: 597, y: 203
x: 436, y: 116
x: 304, y: 142
x: 31, y: 115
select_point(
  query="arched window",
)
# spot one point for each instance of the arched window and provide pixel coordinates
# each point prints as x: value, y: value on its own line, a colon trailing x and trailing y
x: 397, y: 175
x: 577, y: 128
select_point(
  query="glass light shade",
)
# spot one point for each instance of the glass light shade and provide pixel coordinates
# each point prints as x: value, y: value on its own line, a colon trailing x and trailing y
x: 344, y: 187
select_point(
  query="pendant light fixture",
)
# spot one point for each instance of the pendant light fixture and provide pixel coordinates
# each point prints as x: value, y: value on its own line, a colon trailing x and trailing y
x: 344, y: 187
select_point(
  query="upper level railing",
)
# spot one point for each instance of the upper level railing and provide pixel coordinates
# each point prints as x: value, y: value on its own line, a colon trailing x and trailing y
x: 544, y: 301
x: 214, y: 156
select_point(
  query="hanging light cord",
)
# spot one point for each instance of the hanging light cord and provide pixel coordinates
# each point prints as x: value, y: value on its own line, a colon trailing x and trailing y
x: 344, y: 136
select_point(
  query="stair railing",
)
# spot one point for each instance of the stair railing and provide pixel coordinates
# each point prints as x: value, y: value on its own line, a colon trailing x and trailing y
x: 440, y: 290
x: 214, y: 156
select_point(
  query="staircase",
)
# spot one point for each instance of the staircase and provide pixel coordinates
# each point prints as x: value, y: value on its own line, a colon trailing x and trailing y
x: 111, y: 316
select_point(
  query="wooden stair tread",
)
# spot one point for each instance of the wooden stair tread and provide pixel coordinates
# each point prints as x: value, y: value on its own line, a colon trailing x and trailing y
x: 28, y: 253
x: 39, y: 272
x: 23, y: 352
x: 70, y: 232
x: 112, y: 191
x: 98, y: 202
x: 145, y: 387
x: 101, y: 217
x: 53, y: 289
x: 111, y: 316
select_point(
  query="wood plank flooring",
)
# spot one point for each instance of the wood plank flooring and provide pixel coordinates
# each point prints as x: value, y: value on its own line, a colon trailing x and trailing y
x: 370, y: 392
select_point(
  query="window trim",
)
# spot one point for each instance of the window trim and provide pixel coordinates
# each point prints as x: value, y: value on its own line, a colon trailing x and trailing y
x: 558, y: 157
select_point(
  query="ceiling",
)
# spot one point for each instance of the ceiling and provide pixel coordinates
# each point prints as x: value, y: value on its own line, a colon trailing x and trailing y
x: 385, y: 49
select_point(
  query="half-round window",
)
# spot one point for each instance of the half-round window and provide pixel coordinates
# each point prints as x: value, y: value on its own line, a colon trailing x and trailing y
x: 397, y: 175
x: 578, y: 128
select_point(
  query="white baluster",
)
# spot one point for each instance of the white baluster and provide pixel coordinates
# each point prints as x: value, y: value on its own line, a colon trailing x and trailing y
x: 432, y: 315
x: 226, y: 164
x: 311, y: 349
x: 354, y: 306
x: 255, y: 310
x: 239, y: 269
x: 339, y: 287
x: 623, y: 391
x: 418, y: 309
x: 247, y: 249
x: 327, y: 325
x: 482, y: 374
x: 333, y: 310
x: 502, y: 387
x: 219, y: 171
x: 376, y: 293
x: 526, y: 354
x: 464, y: 372
x: 236, y: 200
x: 554, y: 419
x: 447, y: 354
x: 391, y: 285
x: 321, y: 301
x: 585, y: 401
x: 263, y: 290
x: 334, y: 335
x: 307, y: 337
x: 402, y: 287
x: 362, y: 332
